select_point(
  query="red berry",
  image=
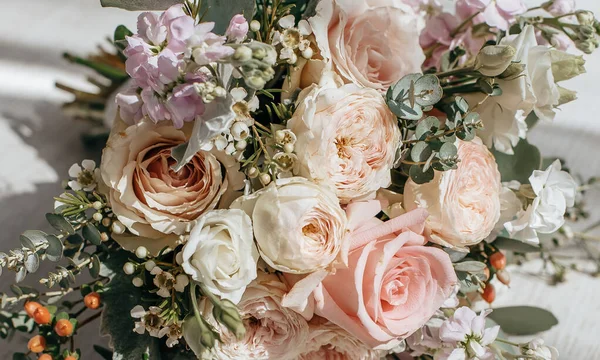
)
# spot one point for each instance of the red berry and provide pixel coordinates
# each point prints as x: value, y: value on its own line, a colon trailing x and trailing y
x: 92, y: 300
x: 63, y: 328
x: 31, y: 307
x: 498, y: 260
x: 489, y: 293
x: 45, y: 357
x: 503, y: 276
x: 42, y: 316
x: 37, y: 344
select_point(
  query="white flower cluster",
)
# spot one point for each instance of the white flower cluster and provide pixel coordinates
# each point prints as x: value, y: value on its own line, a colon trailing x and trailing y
x: 292, y: 41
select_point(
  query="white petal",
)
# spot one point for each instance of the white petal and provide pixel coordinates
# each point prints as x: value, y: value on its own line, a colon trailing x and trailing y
x: 74, y: 185
x: 74, y: 170
x: 138, y: 312
x: 304, y: 27
x: 238, y: 94
x: 287, y: 22
x: 89, y: 165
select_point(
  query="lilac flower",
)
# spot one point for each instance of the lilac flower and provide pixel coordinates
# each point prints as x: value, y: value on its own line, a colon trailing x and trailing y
x: 496, y: 13
x: 184, y: 104
x: 238, y: 28
x: 562, y: 7
x: 207, y: 47
x: 466, y: 331
x: 130, y: 105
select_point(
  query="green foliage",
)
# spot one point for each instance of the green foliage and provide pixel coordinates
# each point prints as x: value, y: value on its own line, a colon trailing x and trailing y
x: 504, y: 243
x: 140, y: 4
x: 523, y: 320
x: 519, y: 166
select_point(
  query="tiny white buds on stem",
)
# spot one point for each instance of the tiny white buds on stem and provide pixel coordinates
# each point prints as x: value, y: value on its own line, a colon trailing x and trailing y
x: 118, y: 227
x: 265, y: 179
x: 97, y: 216
x: 106, y: 222
x: 104, y: 236
x: 97, y: 205
x: 137, y: 282
x: 128, y: 268
x: 141, y: 252
x: 307, y: 53
x: 252, y: 172
x: 241, y: 145
x: 254, y: 25
x: 149, y: 265
x: 243, y: 53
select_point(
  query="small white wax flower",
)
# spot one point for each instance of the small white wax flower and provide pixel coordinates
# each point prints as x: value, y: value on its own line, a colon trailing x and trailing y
x: 150, y: 320
x: 118, y: 227
x: 141, y: 252
x: 137, y: 282
x: 128, y: 268
x: 240, y: 131
x: 255, y: 25
x: 287, y: 21
x: 539, y: 351
x: 149, y: 265
x: 466, y: 332
x: 241, y: 145
x: 84, y: 176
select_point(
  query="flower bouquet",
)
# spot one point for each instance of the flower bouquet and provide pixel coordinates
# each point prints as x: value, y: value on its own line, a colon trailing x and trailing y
x: 292, y: 179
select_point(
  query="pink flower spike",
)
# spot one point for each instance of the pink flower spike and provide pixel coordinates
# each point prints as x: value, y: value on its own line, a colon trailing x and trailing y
x: 238, y: 28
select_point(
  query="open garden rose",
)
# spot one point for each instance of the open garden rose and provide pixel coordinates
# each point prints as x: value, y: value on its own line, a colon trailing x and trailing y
x: 156, y: 204
x: 347, y: 139
x: 221, y: 253
x: 272, y: 331
x: 392, y: 285
x: 370, y: 43
x: 299, y: 226
x: 463, y: 204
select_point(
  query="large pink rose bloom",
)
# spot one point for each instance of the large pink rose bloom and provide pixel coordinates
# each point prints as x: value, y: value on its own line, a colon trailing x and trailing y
x: 393, y: 284
x: 463, y: 204
x: 370, y: 43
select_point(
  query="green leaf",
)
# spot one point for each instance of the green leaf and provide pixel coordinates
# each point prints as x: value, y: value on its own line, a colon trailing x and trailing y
x: 140, y: 4
x: 504, y: 243
x: 105, y: 353
x: 121, y: 32
x: 108, y: 71
x: 455, y: 256
x: 523, y: 320
x: 519, y: 166
x: 62, y: 316
x: 54, y: 252
x: 91, y: 234
x: 119, y: 297
x: 426, y: 127
x: 60, y: 223
x: 461, y: 103
x: 448, y: 151
x: 31, y: 238
x: 20, y: 356
x: 472, y: 267
x: 420, y: 152
x: 32, y: 263
x: 95, y: 266
x: 428, y: 90
x: 419, y: 176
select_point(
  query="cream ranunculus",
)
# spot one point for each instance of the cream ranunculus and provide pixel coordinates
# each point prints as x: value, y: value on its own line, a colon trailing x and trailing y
x: 347, y: 139
x: 504, y: 116
x: 221, y: 253
x: 299, y: 226
x: 370, y: 43
x: 272, y: 331
x: 155, y: 203
x: 463, y: 204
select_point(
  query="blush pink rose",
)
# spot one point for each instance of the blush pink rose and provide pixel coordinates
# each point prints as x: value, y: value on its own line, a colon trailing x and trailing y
x: 391, y: 287
x: 463, y: 204
x: 370, y: 43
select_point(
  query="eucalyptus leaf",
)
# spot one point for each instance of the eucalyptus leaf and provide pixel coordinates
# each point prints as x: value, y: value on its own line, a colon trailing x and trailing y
x: 21, y: 274
x: 54, y: 252
x: 32, y: 262
x: 461, y: 103
x: 523, y: 320
x: 521, y: 165
x: 455, y: 256
x: 140, y: 4
x: 420, y: 152
x: 426, y: 127
x: 504, y: 243
x: 91, y: 234
x: 16, y: 290
x: 31, y: 238
x: 448, y: 151
x: 472, y: 267
x: 419, y: 176
x: 60, y: 223
x: 428, y: 90
x: 95, y: 267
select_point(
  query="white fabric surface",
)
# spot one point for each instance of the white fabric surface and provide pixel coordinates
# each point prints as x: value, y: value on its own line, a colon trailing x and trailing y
x: 37, y: 146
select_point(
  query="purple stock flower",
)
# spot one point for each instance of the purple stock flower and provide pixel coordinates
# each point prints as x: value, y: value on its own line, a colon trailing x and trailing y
x: 238, y: 28
x: 496, y: 13
x: 208, y: 47
x: 130, y: 105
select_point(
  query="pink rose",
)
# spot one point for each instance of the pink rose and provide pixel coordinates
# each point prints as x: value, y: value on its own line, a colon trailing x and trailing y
x: 156, y: 204
x: 392, y: 286
x: 347, y: 139
x: 463, y: 204
x: 369, y: 43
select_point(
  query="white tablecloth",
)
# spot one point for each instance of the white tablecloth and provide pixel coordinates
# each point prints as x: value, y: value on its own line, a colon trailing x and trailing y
x: 37, y: 146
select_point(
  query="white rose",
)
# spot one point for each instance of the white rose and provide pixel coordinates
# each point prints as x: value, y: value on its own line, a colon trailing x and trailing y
x: 555, y: 190
x: 510, y: 206
x: 347, y: 139
x: 299, y: 226
x: 504, y: 116
x: 221, y: 253
x: 370, y: 43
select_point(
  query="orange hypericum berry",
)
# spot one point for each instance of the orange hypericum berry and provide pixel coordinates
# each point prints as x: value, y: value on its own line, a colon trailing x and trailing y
x: 31, y: 307
x: 486, y: 272
x: 498, y: 260
x: 42, y: 316
x: 45, y: 357
x: 37, y: 344
x: 489, y: 293
x: 92, y: 300
x: 503, y: 276
x: 63, y: 327
x: 70, y: 357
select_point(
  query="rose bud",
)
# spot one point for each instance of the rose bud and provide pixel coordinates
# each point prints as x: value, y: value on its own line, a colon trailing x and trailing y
x: 63, y: 328
x: 92, y: 300
x: 37, y: 344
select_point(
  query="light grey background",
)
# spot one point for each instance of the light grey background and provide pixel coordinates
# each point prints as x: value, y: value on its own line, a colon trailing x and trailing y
x: 38, y: 144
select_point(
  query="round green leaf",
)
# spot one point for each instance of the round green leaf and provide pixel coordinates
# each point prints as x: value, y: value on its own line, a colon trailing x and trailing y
x: 54, y: 252
x: 504, y: 243
x: 91, y: 234
x: 428, y: 90
x: 472, y: 267
x: 448, y: 151
x: 32, y: 262
x: 426, y: 127
x: 31, y: 238
x: 419, y: 176
x: 420, y: 152
x: 523, y: 320
x: 95, y: 266
x: 60, y: 223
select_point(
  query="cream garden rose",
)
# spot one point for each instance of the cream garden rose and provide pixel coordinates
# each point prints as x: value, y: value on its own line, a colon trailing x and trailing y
x: 347, y: 139
x: 221, y: 253
x: 370, y: 43
x: 463, y: 204
x: 299, y: 226
x: 156, y: 204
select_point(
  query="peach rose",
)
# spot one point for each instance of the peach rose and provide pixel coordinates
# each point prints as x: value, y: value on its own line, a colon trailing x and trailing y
x: 272, y: 331
x: 370, y: 43
x: 156, y: 204
x: 347, y: 139
x: 329, y: 341
x: 393, y: 284
x: 464, y: 204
